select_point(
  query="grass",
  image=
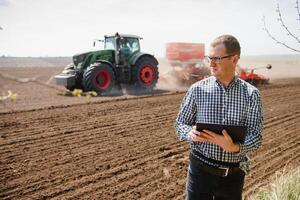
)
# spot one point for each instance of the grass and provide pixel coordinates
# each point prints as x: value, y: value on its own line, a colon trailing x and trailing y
x: 285, y: 186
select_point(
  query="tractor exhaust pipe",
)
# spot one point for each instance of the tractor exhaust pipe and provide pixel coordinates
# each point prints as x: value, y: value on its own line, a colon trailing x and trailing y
x: 117, y: 53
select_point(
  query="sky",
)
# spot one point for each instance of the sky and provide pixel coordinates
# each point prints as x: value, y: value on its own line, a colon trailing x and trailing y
x: 66, y: 27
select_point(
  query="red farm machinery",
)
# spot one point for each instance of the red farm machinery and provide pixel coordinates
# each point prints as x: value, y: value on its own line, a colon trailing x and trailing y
x: 187, y: 61
x: 251, y: 77
x: 189, y: 66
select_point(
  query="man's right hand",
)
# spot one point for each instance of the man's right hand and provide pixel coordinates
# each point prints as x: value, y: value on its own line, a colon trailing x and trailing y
x: 197, y: 136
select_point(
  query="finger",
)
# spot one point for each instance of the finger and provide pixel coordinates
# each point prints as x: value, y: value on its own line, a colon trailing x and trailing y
x: 200, y: 136
x: 195, y: 132
x: 197, y: 138
x: 193, y: 136
x: 206, y: 135
x: 213, y: 134
x: 226, y: 135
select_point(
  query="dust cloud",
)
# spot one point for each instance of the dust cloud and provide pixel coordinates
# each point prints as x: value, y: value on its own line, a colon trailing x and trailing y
x: 166, y: 80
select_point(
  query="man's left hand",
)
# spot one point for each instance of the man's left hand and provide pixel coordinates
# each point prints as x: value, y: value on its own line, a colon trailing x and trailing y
x: 224, y: 141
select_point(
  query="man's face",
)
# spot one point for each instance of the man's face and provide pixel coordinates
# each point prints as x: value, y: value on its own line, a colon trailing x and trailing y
x: 222, y: 68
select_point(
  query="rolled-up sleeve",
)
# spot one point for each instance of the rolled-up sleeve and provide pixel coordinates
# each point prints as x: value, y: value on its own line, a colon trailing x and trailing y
x: 254, y: 123
x: 186, y: 116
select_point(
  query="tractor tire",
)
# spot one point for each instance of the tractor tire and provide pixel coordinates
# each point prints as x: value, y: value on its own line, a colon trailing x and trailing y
x: 100, y: 78
x: 144, y: 76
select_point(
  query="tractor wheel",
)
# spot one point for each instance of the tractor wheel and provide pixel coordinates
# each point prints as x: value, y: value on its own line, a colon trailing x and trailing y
x: 144, y: 76
x: 100, y: 78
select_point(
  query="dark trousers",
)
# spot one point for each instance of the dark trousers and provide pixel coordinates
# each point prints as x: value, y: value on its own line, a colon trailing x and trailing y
x: 205, y: 186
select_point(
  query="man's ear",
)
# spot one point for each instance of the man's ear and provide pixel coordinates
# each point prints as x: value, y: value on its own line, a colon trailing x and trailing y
x: 235, y: 59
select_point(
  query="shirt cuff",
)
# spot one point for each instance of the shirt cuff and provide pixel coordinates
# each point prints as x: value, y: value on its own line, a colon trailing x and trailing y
x: 188, y: 136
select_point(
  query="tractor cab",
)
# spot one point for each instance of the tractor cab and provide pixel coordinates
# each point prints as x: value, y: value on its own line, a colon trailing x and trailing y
x: 125, y: 46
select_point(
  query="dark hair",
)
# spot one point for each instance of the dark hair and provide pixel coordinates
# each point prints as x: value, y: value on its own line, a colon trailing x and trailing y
x: 232, y: 45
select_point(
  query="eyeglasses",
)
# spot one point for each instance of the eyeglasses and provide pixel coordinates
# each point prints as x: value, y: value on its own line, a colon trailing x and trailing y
x: 216, y: 59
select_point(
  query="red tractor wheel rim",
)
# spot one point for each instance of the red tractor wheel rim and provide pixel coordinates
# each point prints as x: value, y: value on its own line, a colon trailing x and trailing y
x: 147, y: 74
x: 103, y: 79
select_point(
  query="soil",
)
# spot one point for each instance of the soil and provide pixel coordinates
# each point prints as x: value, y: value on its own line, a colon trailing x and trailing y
x: 119, y: 147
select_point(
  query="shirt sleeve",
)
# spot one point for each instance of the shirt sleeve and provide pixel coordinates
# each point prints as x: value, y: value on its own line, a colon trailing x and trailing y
x: 254, y: 123
x: 186, y: 116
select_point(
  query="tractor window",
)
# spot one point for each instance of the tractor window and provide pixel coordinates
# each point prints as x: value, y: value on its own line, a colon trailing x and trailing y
x: 129, y: 45
x: 109, y: 43
x: 133, y: 44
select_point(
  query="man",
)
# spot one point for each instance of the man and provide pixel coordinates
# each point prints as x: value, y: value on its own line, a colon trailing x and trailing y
x: 218, y: 165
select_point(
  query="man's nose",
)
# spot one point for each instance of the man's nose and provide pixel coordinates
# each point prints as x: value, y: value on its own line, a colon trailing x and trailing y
x: 212, y: 64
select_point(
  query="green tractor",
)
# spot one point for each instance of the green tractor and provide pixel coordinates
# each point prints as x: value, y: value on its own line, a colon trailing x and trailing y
x: 103, y: 71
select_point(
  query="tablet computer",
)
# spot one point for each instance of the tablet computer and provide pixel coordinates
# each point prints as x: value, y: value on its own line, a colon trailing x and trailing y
x: 237, y: 133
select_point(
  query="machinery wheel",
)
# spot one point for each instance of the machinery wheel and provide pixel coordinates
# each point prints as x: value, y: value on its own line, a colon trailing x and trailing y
x: 144, y: 76
x: 100, y: 78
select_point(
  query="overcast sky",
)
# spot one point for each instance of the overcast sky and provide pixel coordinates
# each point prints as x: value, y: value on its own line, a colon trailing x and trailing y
x: 66, y: 27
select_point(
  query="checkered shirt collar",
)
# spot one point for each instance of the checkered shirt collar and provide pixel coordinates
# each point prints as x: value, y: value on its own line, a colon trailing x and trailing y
x: 231, y: 84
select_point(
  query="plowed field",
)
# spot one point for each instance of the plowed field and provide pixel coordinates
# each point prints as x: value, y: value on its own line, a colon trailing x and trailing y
x: 126, y: 148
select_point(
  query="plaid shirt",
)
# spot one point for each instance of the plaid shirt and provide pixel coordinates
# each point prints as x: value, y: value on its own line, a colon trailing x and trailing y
x: 207, y: 101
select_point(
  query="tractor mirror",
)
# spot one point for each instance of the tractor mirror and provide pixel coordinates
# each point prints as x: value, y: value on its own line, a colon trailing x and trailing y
x: 94, y: 43
x: 269, y: 66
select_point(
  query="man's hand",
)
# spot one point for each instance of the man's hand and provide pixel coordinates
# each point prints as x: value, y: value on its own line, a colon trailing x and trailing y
x: 198, y: 136
x: 224, y: 141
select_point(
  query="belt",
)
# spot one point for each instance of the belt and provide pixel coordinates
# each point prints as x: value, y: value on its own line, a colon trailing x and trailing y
x: 218, y: 171
x: 217, y: 162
